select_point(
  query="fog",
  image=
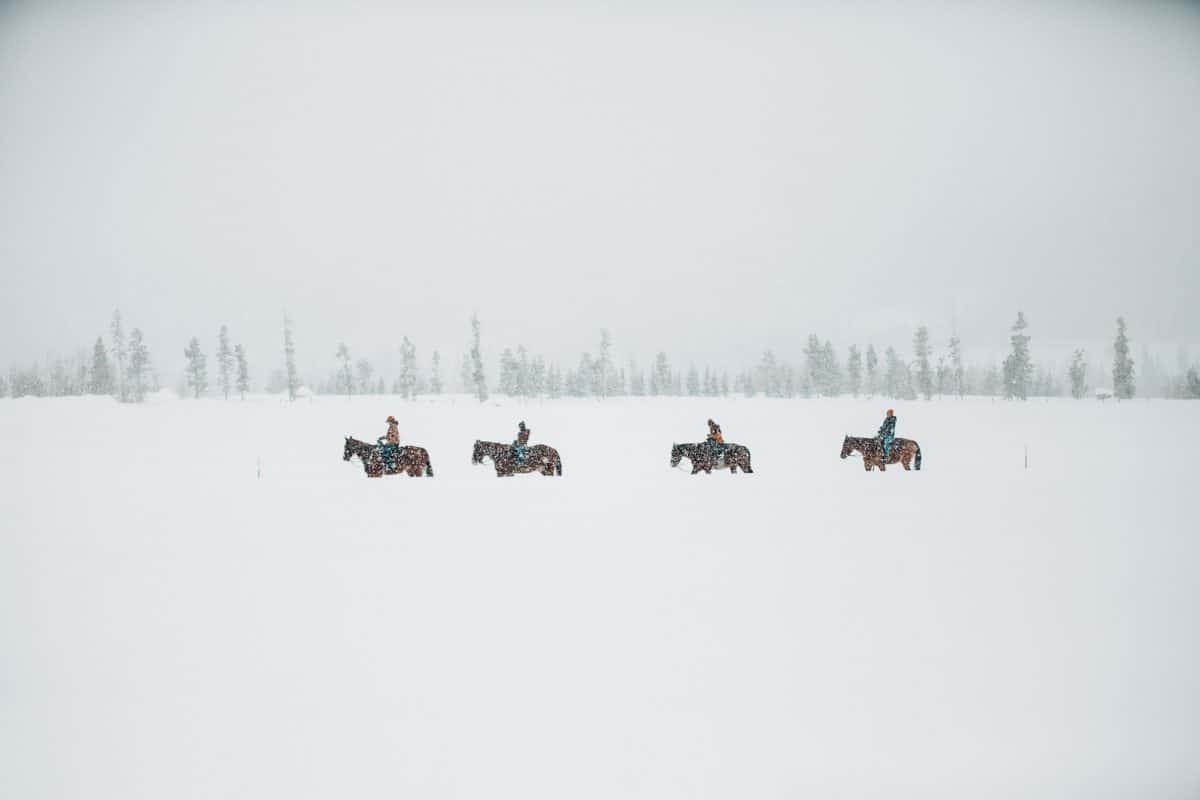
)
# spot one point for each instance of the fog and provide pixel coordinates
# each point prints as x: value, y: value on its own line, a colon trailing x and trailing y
x: 708, y: 180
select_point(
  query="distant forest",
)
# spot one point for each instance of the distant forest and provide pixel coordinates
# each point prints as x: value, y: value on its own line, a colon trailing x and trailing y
x: 119, y: 364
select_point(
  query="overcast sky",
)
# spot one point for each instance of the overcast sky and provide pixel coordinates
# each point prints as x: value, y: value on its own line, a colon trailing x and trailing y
x: 709, y: 179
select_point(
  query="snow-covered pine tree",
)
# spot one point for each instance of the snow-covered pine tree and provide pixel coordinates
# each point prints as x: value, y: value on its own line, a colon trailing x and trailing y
x: 1077, y: 372
x: 922, y: 351
x: 289, y: 360
x: 958, y: 383
x: 3, y: 387
x: 363, y: 376
x: 854, y: 370
x: 1124, y: 385
x: 197, y: 368
x: 100, y: 379
x: 725, y: 384
x: 523, y: 371
x: 119, y: 355
x: 895, y: 374
x: 345, y: 377
x: 768, y: 375
x: 435, y: 373
x: 1192, y: 386
x: 1018, y: 369
x: 478, y: 381
x: 637, y: 381
x: 243, y: 371
x: 942, y: 377
x: 660, y: 376
x: 831, y: 369
x: 536, y: 385
x: 606, y: 370
x: 872, y: 371
x: 814, y: 357
x: 554, y: 382
x: 408, y: 370
x: 508, y: 373
x: 139, y: 365
x: 224, y: 362
x: 693, y: 381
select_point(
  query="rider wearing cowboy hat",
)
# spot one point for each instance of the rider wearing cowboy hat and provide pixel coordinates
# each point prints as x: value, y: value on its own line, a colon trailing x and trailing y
x: 887, y: 434
x: 390, y: 442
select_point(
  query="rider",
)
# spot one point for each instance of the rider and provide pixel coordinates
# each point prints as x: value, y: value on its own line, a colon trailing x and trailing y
x: 389, y: 444
x: 716, y: 442
x: 520, y: 444
x: 887, y: 434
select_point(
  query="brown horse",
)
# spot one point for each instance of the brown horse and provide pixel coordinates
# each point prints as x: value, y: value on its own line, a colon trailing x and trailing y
x: 538, y: 458
x: 904, y: 451
x: 704, y: 457
x: 413, y: 461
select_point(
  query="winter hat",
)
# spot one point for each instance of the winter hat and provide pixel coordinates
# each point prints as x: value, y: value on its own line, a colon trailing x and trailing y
x: 392, y: 420
x: 891, y: 413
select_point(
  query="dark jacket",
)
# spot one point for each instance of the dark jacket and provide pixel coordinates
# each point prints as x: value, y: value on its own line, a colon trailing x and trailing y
x: 887, y: 431
x: 522, y: 436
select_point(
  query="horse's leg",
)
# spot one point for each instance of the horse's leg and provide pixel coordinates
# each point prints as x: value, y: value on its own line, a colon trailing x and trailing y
x: 906, y: 459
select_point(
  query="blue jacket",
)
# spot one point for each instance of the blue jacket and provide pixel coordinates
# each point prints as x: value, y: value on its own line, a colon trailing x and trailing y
x: 887, y: 431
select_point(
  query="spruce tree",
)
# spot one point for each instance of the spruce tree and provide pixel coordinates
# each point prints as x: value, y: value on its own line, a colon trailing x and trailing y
x: 1077, y: 372
x: 1193, y: 382
x: 119, y: 353
x: 536, y: 383
x: 893, y: 377
x: 769, y: 376
x: 1122, y: 373
x: 243, y: 371
x: 922, y: 351
x: 477, y: 376
x: 693, y: 381
x: 408, y: 370
x: 197, y: 368
x: 139, y: 365
x: 957, y: 379
x: 364, y: 374
x: 224, y: 362
x: 345, y: 378
x: 435, y: 373
x: 872, y: 371
x: 660, y: 376
x: 100, y: 379
x: 522, y: 371
x: 289, y: 355
x: 1018, y: 369
x: 854, y: 371
x: 554, y: 382
x: 508, y: 373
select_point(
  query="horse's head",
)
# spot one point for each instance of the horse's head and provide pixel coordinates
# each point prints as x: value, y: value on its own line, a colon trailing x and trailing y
x: 348, y: 450
x: 676, y: 454
x: 846, y: 446
x: 477, y: 453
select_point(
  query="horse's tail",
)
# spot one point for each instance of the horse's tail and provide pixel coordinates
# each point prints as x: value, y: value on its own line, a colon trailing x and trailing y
x: 917, y: 463
x: 428, y: 466
x: 557, y: 464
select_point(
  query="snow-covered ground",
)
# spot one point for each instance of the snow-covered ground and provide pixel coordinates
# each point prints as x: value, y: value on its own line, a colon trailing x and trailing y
x: 175, y: 626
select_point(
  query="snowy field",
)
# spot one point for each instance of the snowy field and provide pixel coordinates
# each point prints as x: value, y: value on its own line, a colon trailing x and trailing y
x: 176, y: 626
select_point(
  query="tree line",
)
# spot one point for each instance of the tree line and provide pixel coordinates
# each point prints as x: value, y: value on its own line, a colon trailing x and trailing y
x: 121, y: 367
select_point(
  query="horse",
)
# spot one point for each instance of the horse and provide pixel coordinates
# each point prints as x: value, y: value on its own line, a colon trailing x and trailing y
x: 538, y: 458
x: 703, y: 457
x: 413, y: 461
x: 904, y: 451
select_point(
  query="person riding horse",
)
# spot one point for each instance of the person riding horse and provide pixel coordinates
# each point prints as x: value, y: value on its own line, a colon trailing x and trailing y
x: 389, y: 443
x: 716, y: 442
x: 887, y: 434
x: 520, y: 445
